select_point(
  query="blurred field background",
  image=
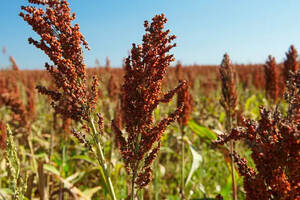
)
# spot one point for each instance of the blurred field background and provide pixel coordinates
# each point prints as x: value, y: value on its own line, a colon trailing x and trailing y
x: 44, y: 139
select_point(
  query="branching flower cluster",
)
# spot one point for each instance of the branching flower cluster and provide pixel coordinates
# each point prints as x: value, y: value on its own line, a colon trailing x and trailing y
x: 275, y: 144
x: 141, y: 94
x: 61, y: 42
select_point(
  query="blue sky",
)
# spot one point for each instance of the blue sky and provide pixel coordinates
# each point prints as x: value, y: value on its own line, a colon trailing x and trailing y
x: 248, y: 30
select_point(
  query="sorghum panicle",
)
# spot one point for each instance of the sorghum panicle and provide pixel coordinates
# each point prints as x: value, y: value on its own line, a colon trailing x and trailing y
x: 293, y: 97
x: 275, y: 144
x: 272, y: 78
x: 291, y: 62
x: 14, y: 65
x: 107, y: 64
x: 61, y: 42
x: 185, y: 96
x: 229, y: 96
x: 141, y: 94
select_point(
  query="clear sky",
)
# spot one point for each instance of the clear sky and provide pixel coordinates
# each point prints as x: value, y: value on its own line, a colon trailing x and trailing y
x: 248, y: 30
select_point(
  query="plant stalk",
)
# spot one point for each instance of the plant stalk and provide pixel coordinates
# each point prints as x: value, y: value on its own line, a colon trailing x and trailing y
x: 156, y: 189
x: 229, y: 126
x: 132, y: 185
x: 182, y: 162
x: 135, y: 171
x: 100, y: 157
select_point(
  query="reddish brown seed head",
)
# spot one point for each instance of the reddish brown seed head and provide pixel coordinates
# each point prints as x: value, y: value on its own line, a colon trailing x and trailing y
x: 291, y: 62
x: 62, y: 42
x: 275, y: 144
x: 145, y: 69
x: 184, y: 96
x: 229, y: 96
x: 272, y: 77
x: 14, y: 65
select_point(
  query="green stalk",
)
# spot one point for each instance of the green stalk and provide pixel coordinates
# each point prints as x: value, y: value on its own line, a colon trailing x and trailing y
x: 156, y: 189
x: 229, y: 126
x: 137, y: 166
x: 182, y: 162
x: 142, y: 195
x: 132, y: 185
x: 100, y: 157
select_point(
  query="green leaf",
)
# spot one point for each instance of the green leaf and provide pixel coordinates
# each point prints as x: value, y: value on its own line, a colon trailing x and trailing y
x: 157, y: 113
x: 84, y: 157
x: 197, y: 159
x: 227, y: 189
x: 88, y: 193
x: 251, y: 106
x: 250, y: 101
x: 222, y: 117
x: 203, y: 132
x: 51, y: 169
x: 75, y: 177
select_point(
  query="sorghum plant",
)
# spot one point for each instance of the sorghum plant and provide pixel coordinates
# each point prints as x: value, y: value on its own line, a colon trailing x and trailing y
x: 275, y: 144
x: 291, y: 62
x: 271, y: 77
x: 61, y: 42
x: 145, y: 69
x: 184, y: 96
x: 229, y: 101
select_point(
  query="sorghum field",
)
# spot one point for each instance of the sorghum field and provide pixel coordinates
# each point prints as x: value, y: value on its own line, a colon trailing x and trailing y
x: 153, y: 129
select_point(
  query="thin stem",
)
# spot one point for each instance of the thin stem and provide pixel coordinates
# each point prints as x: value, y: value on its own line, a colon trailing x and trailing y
x: 182, y: 162
x: 234, y: 189
x: 229, y: 126
x: 132, y: 185
x: 136, y: 147
x: 156, y: 189
x: 101, y: 159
